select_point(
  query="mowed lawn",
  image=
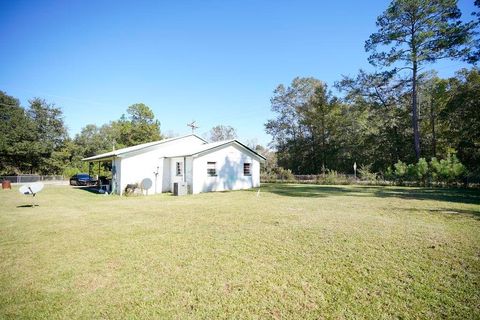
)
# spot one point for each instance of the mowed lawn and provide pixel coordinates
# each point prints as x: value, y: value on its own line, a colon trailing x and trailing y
x: 293, y: 251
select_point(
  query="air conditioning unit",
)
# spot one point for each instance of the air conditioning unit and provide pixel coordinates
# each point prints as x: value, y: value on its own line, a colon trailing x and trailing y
x: 180, y: 188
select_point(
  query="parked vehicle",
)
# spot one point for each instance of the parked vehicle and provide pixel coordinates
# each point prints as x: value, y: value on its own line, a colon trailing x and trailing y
x: 82, y: 179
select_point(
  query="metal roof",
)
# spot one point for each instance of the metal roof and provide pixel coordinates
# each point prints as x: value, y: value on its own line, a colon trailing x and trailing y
x: 190, y: 151
x: 211, y: 147
x: 116, y: 153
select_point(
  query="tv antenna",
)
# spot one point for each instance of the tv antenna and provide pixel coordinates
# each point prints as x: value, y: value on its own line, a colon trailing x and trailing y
x: 193, y: 126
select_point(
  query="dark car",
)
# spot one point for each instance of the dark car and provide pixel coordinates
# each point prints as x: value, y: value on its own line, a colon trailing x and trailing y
x: 82, y: 179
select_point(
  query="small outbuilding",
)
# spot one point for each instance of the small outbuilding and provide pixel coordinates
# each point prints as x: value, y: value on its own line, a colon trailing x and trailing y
x: 156, y: 166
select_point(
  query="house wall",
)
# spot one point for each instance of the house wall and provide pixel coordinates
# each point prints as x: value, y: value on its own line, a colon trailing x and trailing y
x: 189, y: 173
x: 140, y: 166
x: 186, y: 171
x: 141, y: 169
x: 229, y: 168
x: 166, y: 175
x: 173, y: 171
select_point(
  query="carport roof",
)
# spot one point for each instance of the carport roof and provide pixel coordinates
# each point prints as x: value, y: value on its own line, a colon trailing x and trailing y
x: 119, y: 152
x: 186, y: 152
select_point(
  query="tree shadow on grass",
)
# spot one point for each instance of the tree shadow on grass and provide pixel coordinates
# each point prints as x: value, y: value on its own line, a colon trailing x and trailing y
x: 456, y: 212
x: 91, y: 189
x: 468, y: 196
x: 452, y: 212
x: 312, y: 191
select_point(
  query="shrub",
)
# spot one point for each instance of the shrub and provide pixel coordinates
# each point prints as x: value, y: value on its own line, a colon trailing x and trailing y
x: 331, y: 177
x: 418, y: 171
x: 285, y: 174
x: 366, y: 173
x: 447, y: 170
x: 389, y: 174
x: 401, y: 170
x: 411, y: 174
x: 422, y: 170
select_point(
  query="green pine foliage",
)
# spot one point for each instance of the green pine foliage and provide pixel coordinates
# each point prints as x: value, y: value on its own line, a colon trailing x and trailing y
x: 448, y: 170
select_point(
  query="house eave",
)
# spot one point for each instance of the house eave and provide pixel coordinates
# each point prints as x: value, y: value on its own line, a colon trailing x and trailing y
x: 98, y: 158
x: 203, y: 152
x: 123, y: 153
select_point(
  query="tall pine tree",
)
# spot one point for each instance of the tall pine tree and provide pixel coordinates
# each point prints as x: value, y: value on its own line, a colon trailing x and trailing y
x: 412, y: 33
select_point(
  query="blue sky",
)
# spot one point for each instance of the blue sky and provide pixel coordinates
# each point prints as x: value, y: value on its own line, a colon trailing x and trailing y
x: 216, y: 62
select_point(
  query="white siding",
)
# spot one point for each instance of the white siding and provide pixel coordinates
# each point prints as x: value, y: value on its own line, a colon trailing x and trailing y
x: 229, y: 167
x: 142, y: 165
x: 189, y: 173
x: 173, y: 171
x: 166, y: 175
x: 141, y: 169
x: 139, y: 166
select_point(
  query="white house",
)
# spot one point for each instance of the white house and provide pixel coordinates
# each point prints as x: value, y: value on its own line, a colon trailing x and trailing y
x: 156, y: 166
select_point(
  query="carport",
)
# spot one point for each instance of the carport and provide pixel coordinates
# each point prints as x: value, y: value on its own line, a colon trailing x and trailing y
x: 106, y: 182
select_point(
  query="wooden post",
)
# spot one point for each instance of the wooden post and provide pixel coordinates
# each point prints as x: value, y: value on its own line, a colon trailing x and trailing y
x: 99, y: 182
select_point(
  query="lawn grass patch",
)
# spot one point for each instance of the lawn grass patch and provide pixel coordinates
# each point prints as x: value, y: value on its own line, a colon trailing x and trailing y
x: 294, y: 251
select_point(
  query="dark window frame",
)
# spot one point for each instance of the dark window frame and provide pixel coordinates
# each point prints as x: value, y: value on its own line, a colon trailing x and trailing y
x: 248, y: 166
x: 211, y: 172
x: 179, y: 168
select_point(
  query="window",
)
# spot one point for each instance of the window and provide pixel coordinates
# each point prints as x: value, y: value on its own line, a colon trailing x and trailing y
x: 179, y: 168
x: 211, y: 169
x: 247, y: 169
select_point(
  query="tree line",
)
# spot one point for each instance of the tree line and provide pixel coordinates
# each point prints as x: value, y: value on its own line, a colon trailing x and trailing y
x: 35, y: 139
x: 314, y: 130
x: 391, y: 121
x: 400, y: 112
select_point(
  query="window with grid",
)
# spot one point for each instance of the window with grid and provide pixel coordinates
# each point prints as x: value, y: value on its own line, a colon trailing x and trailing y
x: 211, y: 169
x: 247, y: 169
x: 179, y: 168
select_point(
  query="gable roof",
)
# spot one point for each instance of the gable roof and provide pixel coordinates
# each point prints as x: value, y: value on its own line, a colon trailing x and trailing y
x: 210, y: 147
x: 138, y: 147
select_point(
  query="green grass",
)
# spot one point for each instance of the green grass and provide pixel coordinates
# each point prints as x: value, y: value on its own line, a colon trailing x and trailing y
x: 296, y: 251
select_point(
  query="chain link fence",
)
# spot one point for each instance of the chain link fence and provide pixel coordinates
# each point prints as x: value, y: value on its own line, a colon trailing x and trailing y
x: 27, y: 178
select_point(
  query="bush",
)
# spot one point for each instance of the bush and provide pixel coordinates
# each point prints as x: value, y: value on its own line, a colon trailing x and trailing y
x: 389, y: 174
x: 366, y: 173
x: 278, y: 173
x: 285, y: 174
x: 422, y: 170
x: 447, y: 170
x: 400, y: 172
x: 331, y: 177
